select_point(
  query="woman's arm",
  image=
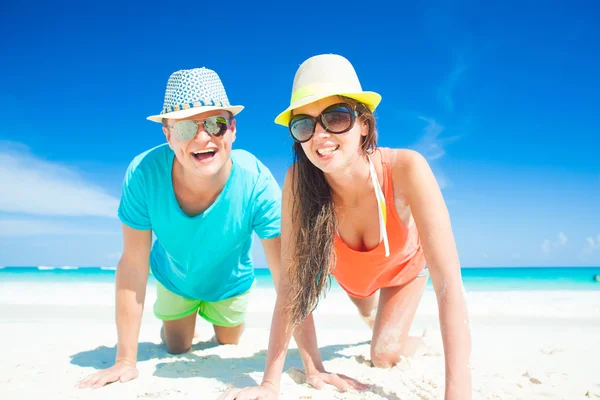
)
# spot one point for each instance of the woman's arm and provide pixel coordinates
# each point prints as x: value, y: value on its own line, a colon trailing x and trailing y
x: 429, y: 211
x: 282, y: 329
x: 281, y: 325
x: 304, y: 334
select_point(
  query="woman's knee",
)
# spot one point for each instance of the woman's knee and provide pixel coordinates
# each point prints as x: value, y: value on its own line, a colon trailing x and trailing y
x: 386, y: 348
x: 384, y: 359
x: 387, y: 353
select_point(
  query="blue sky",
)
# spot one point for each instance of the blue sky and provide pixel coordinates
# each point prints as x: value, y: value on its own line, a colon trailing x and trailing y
x: 503, y: 101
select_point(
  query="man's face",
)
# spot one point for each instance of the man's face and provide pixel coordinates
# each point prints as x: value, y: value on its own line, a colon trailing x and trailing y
x: 205, y: 154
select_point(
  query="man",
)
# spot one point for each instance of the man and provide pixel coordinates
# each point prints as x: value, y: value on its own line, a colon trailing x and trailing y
x: 202, y: 200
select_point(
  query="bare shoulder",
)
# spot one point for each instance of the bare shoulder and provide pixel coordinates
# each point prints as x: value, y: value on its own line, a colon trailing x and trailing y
x: 406, y: 160
x: 409, y: 167
x: 413, y: 175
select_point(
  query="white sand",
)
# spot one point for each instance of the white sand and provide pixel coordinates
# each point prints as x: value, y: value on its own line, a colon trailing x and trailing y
x: 526, y: 345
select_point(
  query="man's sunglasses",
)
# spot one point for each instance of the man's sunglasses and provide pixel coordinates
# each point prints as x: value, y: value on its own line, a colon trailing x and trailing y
x: 338, y: 118
x: 186, y: 130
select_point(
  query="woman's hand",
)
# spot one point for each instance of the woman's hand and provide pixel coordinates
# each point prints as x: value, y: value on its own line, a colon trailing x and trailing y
x: 266, y: 391
x: 342, y: 382
x: 318, y: 380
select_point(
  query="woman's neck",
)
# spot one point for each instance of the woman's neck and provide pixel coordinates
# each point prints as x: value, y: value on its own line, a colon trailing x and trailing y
x: 349, y: 183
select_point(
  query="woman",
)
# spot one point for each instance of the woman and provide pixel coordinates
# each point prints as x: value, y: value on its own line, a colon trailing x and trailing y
x: 373, y: 218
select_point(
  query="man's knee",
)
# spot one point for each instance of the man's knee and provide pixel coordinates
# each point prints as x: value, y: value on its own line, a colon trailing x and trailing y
x: 229, y: 335
x: 175, y: 345
x: 228, y: 340
x: 177, y: 348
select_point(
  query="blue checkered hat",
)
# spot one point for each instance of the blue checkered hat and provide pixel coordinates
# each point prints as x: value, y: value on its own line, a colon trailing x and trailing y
x: 194, y: 91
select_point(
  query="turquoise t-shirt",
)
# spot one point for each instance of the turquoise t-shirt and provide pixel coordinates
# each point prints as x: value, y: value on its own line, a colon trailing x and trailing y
x: 206, y: 257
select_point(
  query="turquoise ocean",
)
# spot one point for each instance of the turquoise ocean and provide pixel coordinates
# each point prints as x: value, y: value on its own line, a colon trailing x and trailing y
x: 474, y: 279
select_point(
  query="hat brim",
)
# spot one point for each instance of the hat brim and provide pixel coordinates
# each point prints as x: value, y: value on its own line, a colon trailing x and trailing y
x: 370, y: 99
x: 193, y: 111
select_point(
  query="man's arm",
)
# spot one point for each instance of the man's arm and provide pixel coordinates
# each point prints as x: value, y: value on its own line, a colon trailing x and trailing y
x: 131, y: 280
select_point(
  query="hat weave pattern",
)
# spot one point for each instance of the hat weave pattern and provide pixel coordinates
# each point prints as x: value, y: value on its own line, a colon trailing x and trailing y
x: 194, y: 88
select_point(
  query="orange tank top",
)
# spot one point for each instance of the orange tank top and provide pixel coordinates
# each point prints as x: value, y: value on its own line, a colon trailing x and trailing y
x: 362, y: 273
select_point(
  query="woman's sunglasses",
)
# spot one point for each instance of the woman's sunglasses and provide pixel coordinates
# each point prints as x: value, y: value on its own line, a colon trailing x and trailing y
x: 186, y: 130
x: 338, y: 118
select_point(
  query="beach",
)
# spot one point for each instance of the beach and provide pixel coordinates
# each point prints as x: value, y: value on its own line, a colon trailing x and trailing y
x: 527, y: 344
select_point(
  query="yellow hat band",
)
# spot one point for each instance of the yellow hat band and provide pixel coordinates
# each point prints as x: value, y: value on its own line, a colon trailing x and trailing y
x: 312, y: 90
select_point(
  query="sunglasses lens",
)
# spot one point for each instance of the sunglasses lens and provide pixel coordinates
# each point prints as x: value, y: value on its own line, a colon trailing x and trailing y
x: 185, y: 130
x: 216, y: 126
x: 338, y: 119
x: 302, y: 128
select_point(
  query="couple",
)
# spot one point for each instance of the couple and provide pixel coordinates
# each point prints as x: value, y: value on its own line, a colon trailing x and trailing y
x: 373, y: 218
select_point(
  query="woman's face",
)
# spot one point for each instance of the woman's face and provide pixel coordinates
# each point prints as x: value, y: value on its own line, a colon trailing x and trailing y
x: 331, y: 152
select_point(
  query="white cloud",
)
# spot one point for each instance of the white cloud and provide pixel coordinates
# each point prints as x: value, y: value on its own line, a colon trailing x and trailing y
x: 430, y: 145
x: 27, y: 227
x: 445, y: 90
x: 590, y: 242
x: 561, y: 240
x: 593, y: 245
x: 546, y: 246
x: 32, y: 185
x: 433, y: 147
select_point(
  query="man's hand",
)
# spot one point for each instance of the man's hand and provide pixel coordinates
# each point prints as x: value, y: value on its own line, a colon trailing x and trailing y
x: 122, y: 371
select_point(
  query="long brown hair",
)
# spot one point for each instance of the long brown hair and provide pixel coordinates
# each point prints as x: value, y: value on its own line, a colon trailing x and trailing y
x: 315, y: 224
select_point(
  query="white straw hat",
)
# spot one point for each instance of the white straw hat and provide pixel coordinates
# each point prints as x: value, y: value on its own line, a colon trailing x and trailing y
x: 194, y: 91
x: 323, y: 76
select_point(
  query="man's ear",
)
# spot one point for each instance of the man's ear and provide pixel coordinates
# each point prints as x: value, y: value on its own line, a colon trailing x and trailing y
x: 167, y: 133
x: 233, y: 129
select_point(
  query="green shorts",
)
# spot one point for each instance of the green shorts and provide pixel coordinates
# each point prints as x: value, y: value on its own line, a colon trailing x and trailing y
x: 228, y: 312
